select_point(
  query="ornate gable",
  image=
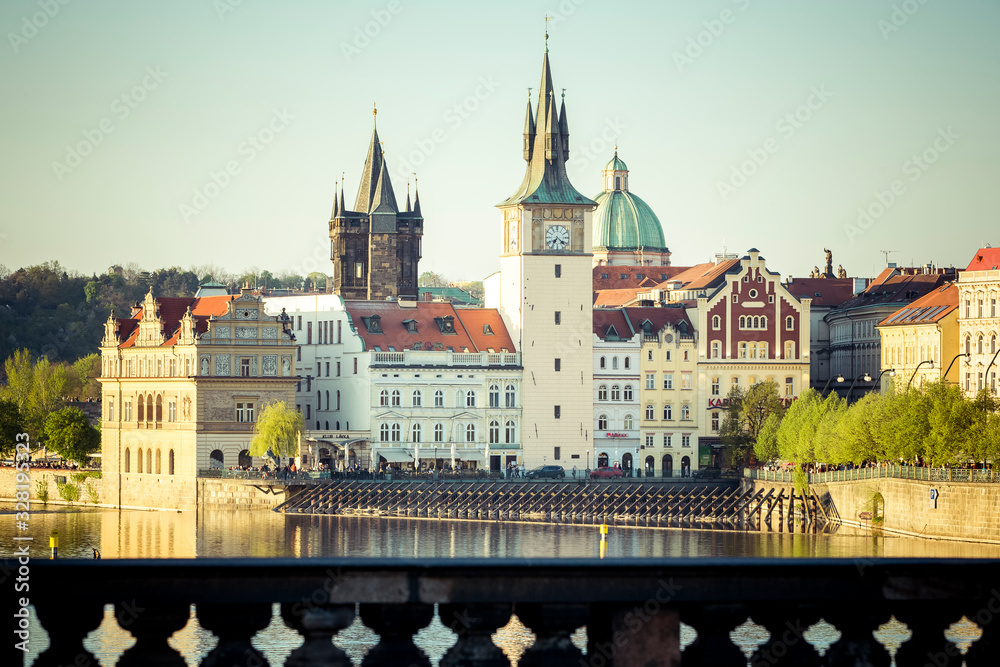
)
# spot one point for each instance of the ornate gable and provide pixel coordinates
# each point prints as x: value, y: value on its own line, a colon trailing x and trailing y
x: 151, y: 324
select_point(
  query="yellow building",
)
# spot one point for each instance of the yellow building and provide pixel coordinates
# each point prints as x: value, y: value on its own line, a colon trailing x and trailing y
x: 978, y: 321
x: 920, y: 340
x: 183, y: 380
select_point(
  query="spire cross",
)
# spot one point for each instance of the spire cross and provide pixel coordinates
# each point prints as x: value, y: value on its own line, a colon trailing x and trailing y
x: 564, y: 93
x: 529, y: 92
x: 547, y: 19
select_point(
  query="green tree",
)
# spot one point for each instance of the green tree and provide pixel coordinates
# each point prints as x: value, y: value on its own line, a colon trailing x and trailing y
x: 277, y: 429
x: 68, y: 432
x: 766, y: 446
x: 431, y: 279
x: 86, y: 370
x: 11, y: 423
x: 48, y: 392
x: 19, y: 369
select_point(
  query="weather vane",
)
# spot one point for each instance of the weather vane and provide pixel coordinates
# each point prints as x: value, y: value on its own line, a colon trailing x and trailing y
x: 547, y: 19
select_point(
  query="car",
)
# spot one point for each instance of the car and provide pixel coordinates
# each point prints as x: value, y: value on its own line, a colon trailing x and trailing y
x: 708, y: 473
x: 549, y: 472
x: 605, y: 472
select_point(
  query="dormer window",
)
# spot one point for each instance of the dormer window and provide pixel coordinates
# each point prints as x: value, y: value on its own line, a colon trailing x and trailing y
x: 488, y: 330
x: 446, y: 324
x: 410, y: 326
x: 373, y: 324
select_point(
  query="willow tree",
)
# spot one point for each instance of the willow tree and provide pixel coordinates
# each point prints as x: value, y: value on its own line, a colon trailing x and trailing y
x: 277, y: 430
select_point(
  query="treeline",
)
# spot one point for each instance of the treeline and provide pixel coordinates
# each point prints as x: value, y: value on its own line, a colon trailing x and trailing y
x: 58, y: 314
x: 936, y: 426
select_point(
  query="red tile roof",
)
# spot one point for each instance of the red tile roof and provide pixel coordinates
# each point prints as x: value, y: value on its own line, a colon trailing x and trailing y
x: 650, y: 276
x: 890, y: 287
x: 822, y: 291
x: 986, y: 259
x: 172, y: 309
x: 605, y: 319
x: 659, y: 317
x: 704, y: 275
x: 469, y: 324
x: 613, y: 298
x: 927, y: 309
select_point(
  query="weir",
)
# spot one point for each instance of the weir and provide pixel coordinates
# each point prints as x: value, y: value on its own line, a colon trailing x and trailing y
x: 719, y: 504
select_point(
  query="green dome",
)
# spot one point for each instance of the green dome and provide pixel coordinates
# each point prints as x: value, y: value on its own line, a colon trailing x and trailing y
x: 615, y: 164
x: 622, y: 221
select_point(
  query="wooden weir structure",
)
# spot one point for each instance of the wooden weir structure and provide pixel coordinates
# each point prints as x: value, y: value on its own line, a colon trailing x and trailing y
x: 717, y: 504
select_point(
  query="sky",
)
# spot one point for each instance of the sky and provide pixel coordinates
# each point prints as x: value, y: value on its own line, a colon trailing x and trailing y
x: 202, y: 132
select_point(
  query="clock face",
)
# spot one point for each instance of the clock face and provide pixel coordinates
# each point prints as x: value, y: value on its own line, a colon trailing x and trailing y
x: 556, y: 237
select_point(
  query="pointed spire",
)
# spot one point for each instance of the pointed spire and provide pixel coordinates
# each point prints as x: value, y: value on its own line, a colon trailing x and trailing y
x: 416, y: 196
x: 529, y: 130
x: 564, y: 127
x: 384, y: 200
x: 370, y: 174
x: 343, y: 179
x: 336, y: 193
x: 407, y: 195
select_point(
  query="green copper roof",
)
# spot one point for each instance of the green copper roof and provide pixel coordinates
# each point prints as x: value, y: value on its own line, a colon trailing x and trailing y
x: 625, y: 222
x: 615, y: 164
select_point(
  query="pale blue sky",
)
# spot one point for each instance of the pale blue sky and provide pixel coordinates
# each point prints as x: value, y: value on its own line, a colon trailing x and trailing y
x: 682, y: 126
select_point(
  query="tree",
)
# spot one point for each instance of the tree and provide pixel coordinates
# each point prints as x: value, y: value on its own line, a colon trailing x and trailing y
x: 11, y: 423
x: 68, y: 432
x: 277, y: 429
x: 86, y: 370
x: 746, y: 416
x: 766, y: 446
x: 20, y: 378
x: 431, y: 279
x: 47, y: 392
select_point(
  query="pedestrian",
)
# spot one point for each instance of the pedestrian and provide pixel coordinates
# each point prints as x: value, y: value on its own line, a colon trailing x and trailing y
x: 574, y: 472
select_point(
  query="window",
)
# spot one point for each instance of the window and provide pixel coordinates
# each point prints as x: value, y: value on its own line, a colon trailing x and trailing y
x: 668, y: 412
x: 789, y: 349
x: 111, y: 409
x: 736, y: 298
x: 685, y: 380
x: 789, y: 323
x: 170, y: 462
x: 603, y: 363
x: 172, y: 411
x: 668, y: 355
x: 668, y: 380
x: 383, y: 398
x: 649, y: 440
x: 558, y: 317
x: 558, y: 269
x: 650, y: 380
x: 602, y: 422
x: 396, y: 398
x: 438, y: 399
x: 418, y: 399
x: 687, y: 355
x: 309, y: 333
x: 244, y: 412
x: 685, y: 440
x: 509, y: 434
x: 470, y: 399
x: 128, y: 459
x: 650, y: 413
x: 555, y: 453
x: 628, y: 363
x: 627, y: 394
x: 470, y: 433
x: 494, y: 432
x: 338, y: 369
x: 968, y: 349
x: 735, y: 383
x: 716, y: 349
x: 298, y: 354
x: 686, y: 412
x: 616, y: 393
x: 558, y: 365
x: 649, y: 355
x: 328, y: 369
x: 327, y: 400
x: 494, y: 396
x: 355, y: 365
x: 716, y: 322
x: 667, y: 440
x: 556, y: 412
x: 743, y: 350
x: 979, y: 346
x: 339, y: 340
x: 715, y: 422
x: 715, y: 386
x: 128, y: 411
x: 338, y: 401
x: 510, y: 397
x: 308, y: 411
x: 602, y: 392
x: 439, y: 432
x: 628, y: 422
x: 416, y: 433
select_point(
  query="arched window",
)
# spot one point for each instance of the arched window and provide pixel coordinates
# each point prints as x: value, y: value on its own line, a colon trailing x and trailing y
x: 397, y: 398
x: 416, y: 433
x: 650, y: 413
x: 979, y: 347
x: 170, y: 463
x: 396, y: 432
x: 790, y: 323
x: 743, y: 322
x: 494, y: 396
x: 159, y: 408
x: 138, y: 460
x: 142, y: 407
x: 603, y: 363
x: 716, y: 322
x: 470, y: 433
x: 993, y: 344
x: 743, y: 350
x: 326, y: 424
x: 149, y: 408
x: 602, y: 422
x: 149, y: 460
x: 383, y: 398
x: 602, y: 392
x: 968, y: 350
x: 338, y: 401
x: 439, y: 432
x: 438, y: 399
x: 470, y: 399
x: 418, y: 398
x: 616, y: 393
x: 628, y: 362
x: 627, y: 394
x: 614, y: 363
x: 128, y: 459
x: 716, y: 349
x: 509, y: 434
x: 628, y: 422
x: 327, y: 400
x: 685, y: 412
x: 494, y: 432
x: 668, y: 412
x: 383, y: 432
x: 510, y: 396
x: 789, y: 349
x: 763, y: 322
x: 158, y: 462
x: 762, y: 350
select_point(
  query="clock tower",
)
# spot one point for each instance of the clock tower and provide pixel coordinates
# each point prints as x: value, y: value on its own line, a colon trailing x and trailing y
x: 546, y: 290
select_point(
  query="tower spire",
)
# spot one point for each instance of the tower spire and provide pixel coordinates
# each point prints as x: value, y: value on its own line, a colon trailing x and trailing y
x: 529, y: 130
x: 336, y: 192
x: 416, y: 195
x: 407, y: 194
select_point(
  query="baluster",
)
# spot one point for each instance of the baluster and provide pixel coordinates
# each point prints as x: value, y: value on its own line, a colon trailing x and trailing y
x: 786, y: 645
x: 67, y: 626
x: 928, y: 621
x: 396, y: 624
x: 474, y: 624
x: 634, y: 634
x: 152, y: 624
x: 857, y: 644
x: 234, y: 625
x: 984, y: 650
x: 317, y: 623
x: 552, y: 624
x: 713, y: 647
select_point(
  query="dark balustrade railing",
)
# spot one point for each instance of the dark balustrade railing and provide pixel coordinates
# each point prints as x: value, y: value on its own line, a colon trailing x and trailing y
x: 920, y: 473
x: 632, y: 609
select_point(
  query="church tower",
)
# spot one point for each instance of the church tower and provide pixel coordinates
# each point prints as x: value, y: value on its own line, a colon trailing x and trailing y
x: 546, y: 289
x: 375, y: 248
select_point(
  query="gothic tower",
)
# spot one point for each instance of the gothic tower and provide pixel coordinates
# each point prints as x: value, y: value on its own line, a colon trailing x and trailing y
x: 546, y: 289
x: 375, y: 248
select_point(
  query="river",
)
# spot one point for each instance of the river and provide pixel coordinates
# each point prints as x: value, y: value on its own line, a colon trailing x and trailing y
x: 230, y: 534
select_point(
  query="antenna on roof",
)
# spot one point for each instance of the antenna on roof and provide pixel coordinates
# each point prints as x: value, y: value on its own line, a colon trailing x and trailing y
x: 886, y: 253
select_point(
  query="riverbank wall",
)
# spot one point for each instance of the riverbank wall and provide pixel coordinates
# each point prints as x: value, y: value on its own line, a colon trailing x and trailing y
x: 960, y: 511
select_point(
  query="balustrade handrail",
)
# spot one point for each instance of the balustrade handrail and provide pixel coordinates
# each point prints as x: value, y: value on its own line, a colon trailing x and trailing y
x: 918, y: 473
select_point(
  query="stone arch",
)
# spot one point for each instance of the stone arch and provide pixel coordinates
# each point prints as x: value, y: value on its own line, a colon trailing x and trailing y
x: 667, y: 469
x: 244, y: 460
x: 216, y: 460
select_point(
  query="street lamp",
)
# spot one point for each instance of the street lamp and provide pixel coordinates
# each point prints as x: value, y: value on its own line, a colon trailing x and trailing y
x: 986, y: 375
x: 866, y: 377
x: 964, y: 354
x: 840, y: 378
x: 890, y: 371
x: 910, y: 383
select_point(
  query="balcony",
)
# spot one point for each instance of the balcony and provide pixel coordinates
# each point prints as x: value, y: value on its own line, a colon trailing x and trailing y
x: 632, y: 609
x: 426, y: 358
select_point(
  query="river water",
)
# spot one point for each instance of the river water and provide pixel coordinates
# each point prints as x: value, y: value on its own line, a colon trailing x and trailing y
x: 231, y: 534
